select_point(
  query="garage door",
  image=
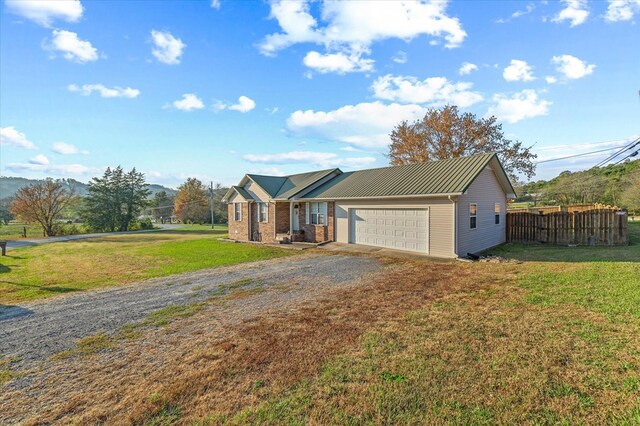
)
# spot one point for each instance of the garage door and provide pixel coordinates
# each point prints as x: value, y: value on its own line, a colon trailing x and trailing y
x: 400, y: 229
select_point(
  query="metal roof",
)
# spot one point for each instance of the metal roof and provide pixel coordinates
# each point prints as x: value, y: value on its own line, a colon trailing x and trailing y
x: 283, y: 187
x: 451, y: 176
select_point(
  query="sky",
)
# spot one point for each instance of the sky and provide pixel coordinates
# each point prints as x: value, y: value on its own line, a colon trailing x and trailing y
x: 216, y: 89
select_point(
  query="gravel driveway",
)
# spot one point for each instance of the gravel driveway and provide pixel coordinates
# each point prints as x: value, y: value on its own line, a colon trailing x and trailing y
x: 33, y: 332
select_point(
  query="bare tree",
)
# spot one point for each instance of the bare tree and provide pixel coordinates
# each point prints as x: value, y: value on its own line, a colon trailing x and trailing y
x: 42, y: 203
x: 445, y: 133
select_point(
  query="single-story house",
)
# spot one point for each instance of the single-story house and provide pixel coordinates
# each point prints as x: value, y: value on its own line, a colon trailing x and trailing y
x: 444, y: 208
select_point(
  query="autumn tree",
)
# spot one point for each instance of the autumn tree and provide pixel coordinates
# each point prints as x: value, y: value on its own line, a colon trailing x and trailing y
x: 446, y: 133
x: 191, y: 204
x: 41, y: 203
x: 115, y: 200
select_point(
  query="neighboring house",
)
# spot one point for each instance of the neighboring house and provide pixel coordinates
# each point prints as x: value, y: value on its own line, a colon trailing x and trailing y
x: 444, y: 208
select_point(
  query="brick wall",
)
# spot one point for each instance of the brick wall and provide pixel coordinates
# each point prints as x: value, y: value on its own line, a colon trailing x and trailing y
x: 238, y: 230
x: 282, y: 218
x: 317, y: 233
x: 263, y: 231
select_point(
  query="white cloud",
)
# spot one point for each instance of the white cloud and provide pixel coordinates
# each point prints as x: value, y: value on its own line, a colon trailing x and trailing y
x: 575, y: 11
x: 518, y: 13
x: 366, y: 125
x: 67, y: 149
x: 518, y: 71
x: 349, y: 28
x: 572, y: 67
x: 71, y: 47
x: 39, y: 159
x: 189, y: 102
x: 267, y: 170
x: 433, y: 90
x: 467, y: 68
x: 215, y: 4
x: 44, y: 12
x: 12, y: 137
x: 518, y: 106
x: 340, y: 62
x: 168, y: 49
x: 245, y: 104
x: 53, y: 169
x: 400, y: 57
x: 550, y: 79
x: 321, y: 159
x: 105, y: 92
x: 622, y: 10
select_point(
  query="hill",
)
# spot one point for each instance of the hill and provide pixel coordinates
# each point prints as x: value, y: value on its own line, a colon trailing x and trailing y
x: 10, y: 185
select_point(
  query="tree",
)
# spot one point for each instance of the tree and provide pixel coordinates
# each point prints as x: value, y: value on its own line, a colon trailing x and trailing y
x: 191, y: 204
x: 162, y: 205
x: 115, y: 200
x: 42, y: 203
x: 5, y: 210
x: 631, y: 196
x: 445, y: 133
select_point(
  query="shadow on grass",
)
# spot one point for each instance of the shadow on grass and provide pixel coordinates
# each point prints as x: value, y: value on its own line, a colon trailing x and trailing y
x: 550, y: 253
x: 4, y: 269
x: 12, y: 311
x: 51, y: 289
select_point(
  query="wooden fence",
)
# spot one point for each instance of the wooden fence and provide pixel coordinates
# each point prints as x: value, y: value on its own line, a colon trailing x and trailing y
x: 591, y: 227
x: 570, y: 209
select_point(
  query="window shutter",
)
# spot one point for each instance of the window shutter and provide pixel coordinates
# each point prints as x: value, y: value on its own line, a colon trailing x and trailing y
x: 307, y: 208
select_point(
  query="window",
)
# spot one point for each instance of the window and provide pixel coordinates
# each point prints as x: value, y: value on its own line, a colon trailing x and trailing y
x: 473, y: 215
x: 497, y: 213
x: 237, y: 211
x: 264, y: 212
x: 317, y: 213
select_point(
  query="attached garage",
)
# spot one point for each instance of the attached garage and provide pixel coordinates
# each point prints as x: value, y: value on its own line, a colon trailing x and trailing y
x: 400, y: 229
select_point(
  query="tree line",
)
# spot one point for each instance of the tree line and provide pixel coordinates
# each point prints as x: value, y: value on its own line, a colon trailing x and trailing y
x: 116, y: 201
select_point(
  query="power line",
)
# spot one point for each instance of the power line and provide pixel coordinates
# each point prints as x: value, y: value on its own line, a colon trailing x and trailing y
x: 633, y: 154
x: 575, y: 155
x: 620, y: 151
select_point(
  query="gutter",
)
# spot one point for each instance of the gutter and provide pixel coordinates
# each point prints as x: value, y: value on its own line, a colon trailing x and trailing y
x: 449, y: 194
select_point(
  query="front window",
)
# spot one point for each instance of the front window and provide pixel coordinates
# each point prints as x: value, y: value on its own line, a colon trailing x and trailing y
x: 237, y: 211
x: 473, y: 215
x: 264, y: 212
x: 318, y: 213
x: 497, y: 214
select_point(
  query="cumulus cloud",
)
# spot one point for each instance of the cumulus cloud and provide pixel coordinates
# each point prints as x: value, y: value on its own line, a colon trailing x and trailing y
x: 105, y: 92
x: 39, y: 159
x: 364, y: 125
x: 518, y: 71
x: 321, y: 159
x: 400, y: 57
x: 518, y: 106
x: 245, y: 104
x: 189, y: 102
x: 10, y: 136
x: 550, y: 79
x: 44, y: 12
x: 518, y: 13
x: 575, y: 11
x: 433, y: 90
x: 67, y: 149
x: 622, y: 10
x: 340, y: 62
x: 467, y: 68
x: 572, y: 67
x: 71, y: 47
x: 215, y: 4
x: 349, y: 28
x: 167, y: 48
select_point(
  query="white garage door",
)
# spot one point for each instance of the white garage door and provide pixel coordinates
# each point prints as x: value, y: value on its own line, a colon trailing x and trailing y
x: 400, y: 229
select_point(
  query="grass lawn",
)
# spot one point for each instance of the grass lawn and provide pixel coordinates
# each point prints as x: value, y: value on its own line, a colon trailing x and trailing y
x: 52, y: 269
x: 13, y: 231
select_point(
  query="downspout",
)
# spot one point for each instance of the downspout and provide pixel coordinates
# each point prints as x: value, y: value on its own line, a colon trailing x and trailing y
x: 275, y: 222
x: 249, y: 233
x: 455, y: 226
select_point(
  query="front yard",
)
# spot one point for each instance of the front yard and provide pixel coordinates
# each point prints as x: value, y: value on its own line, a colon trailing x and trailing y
x: 552, y: 340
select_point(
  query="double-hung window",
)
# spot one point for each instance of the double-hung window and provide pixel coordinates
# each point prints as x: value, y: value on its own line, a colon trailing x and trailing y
x: 237, y: 212
x: 473, y: 215
x: 497, y: 214
x: 317, y: 213
x: 264, y: 212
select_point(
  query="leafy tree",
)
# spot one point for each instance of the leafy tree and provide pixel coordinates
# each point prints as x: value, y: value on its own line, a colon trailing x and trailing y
x: 446, y: 133
x: 42, y: 203
x: 631, y: 196
x: 162, y: 205
x: 115, y: 200
x: 192, y: 204
x: 5, y: 210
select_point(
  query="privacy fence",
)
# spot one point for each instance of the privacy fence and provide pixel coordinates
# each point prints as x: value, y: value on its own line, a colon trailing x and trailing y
x: 591, y: 227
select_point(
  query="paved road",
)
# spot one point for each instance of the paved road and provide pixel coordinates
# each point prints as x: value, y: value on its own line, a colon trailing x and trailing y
x: 38, y: 241
x: 35, y: 331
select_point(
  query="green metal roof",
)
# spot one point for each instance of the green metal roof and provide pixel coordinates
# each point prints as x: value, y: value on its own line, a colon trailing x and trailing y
x: 451, y: 176
x: 243, y: 192
x: 283, y: 187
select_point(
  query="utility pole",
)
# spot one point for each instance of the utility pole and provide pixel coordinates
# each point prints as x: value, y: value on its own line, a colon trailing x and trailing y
x: 211, y: 202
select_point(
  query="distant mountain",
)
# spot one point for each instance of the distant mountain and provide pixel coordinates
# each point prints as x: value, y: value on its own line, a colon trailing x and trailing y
x: 10, y: 185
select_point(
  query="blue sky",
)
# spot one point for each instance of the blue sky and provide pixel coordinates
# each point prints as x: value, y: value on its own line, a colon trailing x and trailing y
x: 215, y: 89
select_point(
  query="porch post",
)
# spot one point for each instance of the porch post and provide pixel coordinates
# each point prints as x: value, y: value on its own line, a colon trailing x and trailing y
x: 290, y: 219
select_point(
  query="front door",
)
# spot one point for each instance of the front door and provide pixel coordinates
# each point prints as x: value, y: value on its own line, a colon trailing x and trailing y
x: 296, y: 217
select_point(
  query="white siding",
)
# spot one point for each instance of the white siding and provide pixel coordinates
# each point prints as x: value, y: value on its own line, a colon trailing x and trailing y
x: 486, y: 192
x: 440, y: 220
x: 256, y: 192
